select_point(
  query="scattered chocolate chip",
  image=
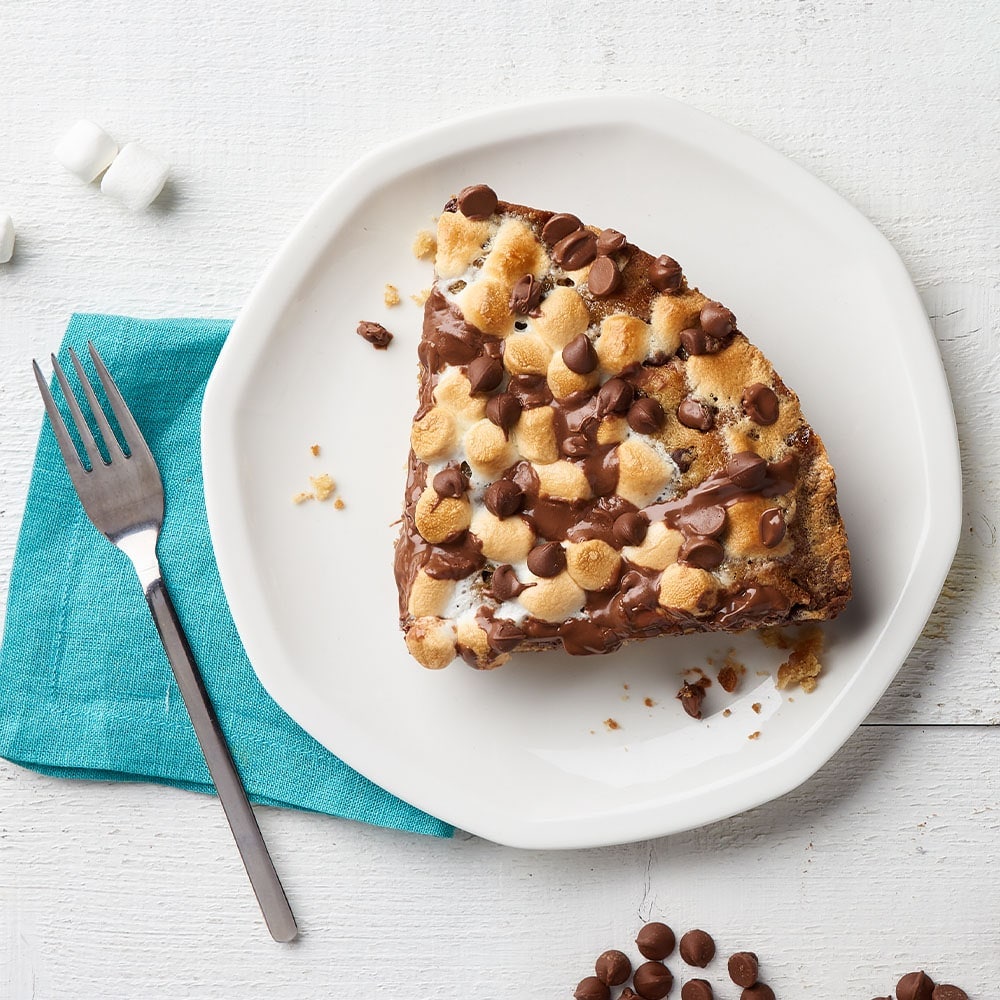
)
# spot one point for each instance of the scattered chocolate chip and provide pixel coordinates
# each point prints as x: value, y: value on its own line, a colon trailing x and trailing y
x: 504, y: 410
x: 375, y: 333
x: 645, y: 416
x: 504, y: 585
x: 947, y: 992
x: 691, y: 696
x: 503, y: 498
x: 575, y: 445
x: 772, y: 527
x: 682, y: 458
x: 759, y: 991
x: 697, y: 946
x: 450, y: 483
x: 747, y: 470
x: 655, y: 940
x: 716, y: 320
x: 604, y: 278
x: 760, y: 404
x: 696, y: 415
x: 610, y: 241
x: 485, y: 373
x: 652, y: 981
x: 630, y: 529
x: 615, y: 396
x: 526, y: 296
x: 705, y: 553
x: 579, y: 355
x: 477, y: 202
x: 613, y: 967
x: 743, y: 968
x: 915, y: 986
x: 697, y: 989
x: 576, y: 250
x: 592, y: 988
x: 547, y: 560
x: 665, y: 274
x: 708, y: 521
x: 558, y: 227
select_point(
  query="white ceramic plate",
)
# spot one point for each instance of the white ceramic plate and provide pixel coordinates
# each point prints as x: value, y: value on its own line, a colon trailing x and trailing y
x: 522, y: 755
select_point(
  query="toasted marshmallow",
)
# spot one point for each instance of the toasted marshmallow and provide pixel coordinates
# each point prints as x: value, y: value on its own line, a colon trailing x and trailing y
x: 526, y: 354
x: 642, y: 473
x: 471, y: 637
x: 562, y: 480
x: 658, y: 549
x: 564, y: 382
x: 552, y: 599
x: 536, y: 435
x: 431, y: 642
x: 514, y: 253
x: 454, y: 392
x: 669, y: 315
x: 687, y: 588
x: 507, y: 540
x: 563, y: 315
x: 434, y: 435
x: 593, y: 564
x: 441, y: 519
x: 429, y: 596
x: 459, y: 242
x: 743, y: 536
x: 487, y: 449
x: 624, y: 341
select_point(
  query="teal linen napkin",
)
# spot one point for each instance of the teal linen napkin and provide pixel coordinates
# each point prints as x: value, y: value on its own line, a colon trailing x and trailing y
x: 85, y: 688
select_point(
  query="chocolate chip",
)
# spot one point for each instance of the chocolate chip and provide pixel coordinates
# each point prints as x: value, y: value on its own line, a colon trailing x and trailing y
x: 915, y: 986
x: 716, y: 320
x: 613, y: 967
x: 630, y: 529
x: 705, y: 553
x: 691, y: 696
x: 504, y: 585
x: 592, y: 988
x: 485, y: 373
x: 375, y: 333
x: 450, y: 483
x: 696, y: 341
x: 604, y: 278
x: 760, y: 404
x: 576, y: 250
x: 949, y: 993
x: 627, y: 994
x: 743, y: 968
x: 504, y: 410
x: 652, y: 981
x: 477, y: 202
x: 645, y: 416
x: 655, y: 940
x: 665, y: 274
x: 682, y: 458
x: 579, y: 355
x: 747, y: 470
x: 696, y: 415
x: 503, y: 498
x: 708, y: 521
x: 558, y: 227
x: 610, y: 241
x: 697, y: 948
x: 547, y: 560
x: 759, y: 991
x: 525, y: 296
x: 697, y: 989
x: 771, y: 525
x: 575, y: 445
x: 503, y: 635
x: 785, y: 471
x: 530, y: 390
x: 615, y: 396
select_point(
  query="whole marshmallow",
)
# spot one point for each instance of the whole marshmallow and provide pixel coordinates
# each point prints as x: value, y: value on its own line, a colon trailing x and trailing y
x: 86, y: 150
x: 6, y: 238
x: 136, y: 177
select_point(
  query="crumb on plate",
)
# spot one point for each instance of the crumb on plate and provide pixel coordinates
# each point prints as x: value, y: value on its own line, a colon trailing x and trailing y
x: 803, y: 667
x: 391, y: 295
x: 424, y: 244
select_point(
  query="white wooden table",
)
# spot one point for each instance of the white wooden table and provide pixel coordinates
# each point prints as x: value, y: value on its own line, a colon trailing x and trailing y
x: 889, y: 859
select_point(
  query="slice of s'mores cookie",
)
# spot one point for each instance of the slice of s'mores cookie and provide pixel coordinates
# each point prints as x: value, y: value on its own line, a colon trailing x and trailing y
x: 599, y: 454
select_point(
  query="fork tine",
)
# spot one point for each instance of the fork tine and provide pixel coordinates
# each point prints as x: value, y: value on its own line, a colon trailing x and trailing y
x: 95, y: 407
x: 82, y: 428
x: 65, y: 442
x: 130, y: 429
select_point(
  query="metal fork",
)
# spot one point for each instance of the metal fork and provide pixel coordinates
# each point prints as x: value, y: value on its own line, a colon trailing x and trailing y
x: 123, y: 497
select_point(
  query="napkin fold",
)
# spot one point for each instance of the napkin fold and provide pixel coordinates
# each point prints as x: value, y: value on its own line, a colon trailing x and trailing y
x: 85, y: 688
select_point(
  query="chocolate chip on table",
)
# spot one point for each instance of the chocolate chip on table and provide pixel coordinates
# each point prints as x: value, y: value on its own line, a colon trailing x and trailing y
x: 613, y: 967
x: 579, y: 355
x: 504, y: 410
x: 576, y: 250
x: 604, y: 278
x: 743, y: 968
x: 655, y: 940
x: 630, y: 529
x: 696, y: 415
x: 610, y: 241
x: 759, y: 991
x: 716, y: 320
x: 665, y: 274
x: 485, y: 373
x: 691, y: 696
x: 708, y: 521
x: 547, y: 560
x: 526, y: 296
x: 615, y: 396
x: 697, y: 989
x: 760, y: 404
x: 771, y: 525
x: 645, y: 416
x: 747, y: 470
x: 450, y: 482
x: 592, y: 988
x: 477, y: 202
x: 697, y: 946
x: 701, y: 551
x: 652, y: 981
x: 503, y: 498
x: 948, y: 992
x: 558, y: 227
x: 915, y: 986
x: 375, y: 333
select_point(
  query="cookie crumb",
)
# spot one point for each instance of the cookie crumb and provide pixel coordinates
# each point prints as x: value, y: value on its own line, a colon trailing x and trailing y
x: 754, y: 736
x: 424, y: 245
x: 422, y: 296
x: 302, y: 497
x: 648, y: 702
x: 756, y: 707
x: 803, y: 667
x: 339, y: 504
x: 323, y: 486
x: 391, y: 295
x: 774, y: 638
x: 612, y: 724
x: 731, y: 673
x: 314, y: 448
x: 726, y: 712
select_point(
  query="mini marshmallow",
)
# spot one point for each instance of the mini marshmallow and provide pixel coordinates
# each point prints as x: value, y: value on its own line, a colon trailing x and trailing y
x: 86, y: 150
x: 136, y: 177
x: 6, y: 238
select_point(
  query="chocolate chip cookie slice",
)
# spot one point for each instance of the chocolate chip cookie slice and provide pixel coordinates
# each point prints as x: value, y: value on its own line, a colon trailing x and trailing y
x: 599, y: 454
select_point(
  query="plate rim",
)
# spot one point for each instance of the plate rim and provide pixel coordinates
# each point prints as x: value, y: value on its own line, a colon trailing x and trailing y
x: 941, y: 528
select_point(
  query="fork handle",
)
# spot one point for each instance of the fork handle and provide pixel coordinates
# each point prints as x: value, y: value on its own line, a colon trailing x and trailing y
x: 264, y: 879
